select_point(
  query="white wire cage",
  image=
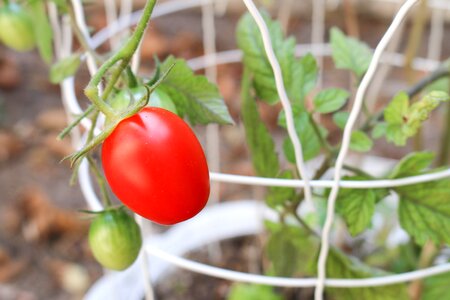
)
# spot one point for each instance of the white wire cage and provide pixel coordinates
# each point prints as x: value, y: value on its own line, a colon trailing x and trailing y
x: 159, y: 250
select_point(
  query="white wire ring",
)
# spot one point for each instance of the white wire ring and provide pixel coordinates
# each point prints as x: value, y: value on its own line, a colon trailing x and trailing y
x: 205, y: 269
x: 330, y: 282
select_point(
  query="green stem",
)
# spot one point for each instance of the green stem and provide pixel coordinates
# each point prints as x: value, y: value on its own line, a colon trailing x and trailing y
x: 322, y: 140
x: 445, y: 140
x: 357, y: 171
x: 101, y: 182
x: 75, y: 122
x: 124, y: 54
x: 427, y: 255
x: 115, y: 75
x: 304, y: 224
x: 414, y: 90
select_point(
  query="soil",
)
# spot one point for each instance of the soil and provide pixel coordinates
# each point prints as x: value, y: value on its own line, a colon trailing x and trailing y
x: 43, y: 248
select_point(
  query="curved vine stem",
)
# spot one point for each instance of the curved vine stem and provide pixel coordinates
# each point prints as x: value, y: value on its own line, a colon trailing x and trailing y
x: 124, y: 55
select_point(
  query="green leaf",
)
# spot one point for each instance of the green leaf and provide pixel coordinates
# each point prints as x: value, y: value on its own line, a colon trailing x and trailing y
x: 360, y: 141
x: 349, y: 53
x: 42, y: 29
x: 310, y: 141
x: 424, y: 211
x: 304, y: 79
x: 193, y: 94
x: 412, y: 164
x: 259, y: 140
x: 436, y: 287
x: 64, y: 68
x: 277, y: 196
x: 379, y: 130
x: 242, y: 291
x: 299, y: 76
x: 330, y: 100
x: 403, y: 121
x: 289, y: 248
x: 250, y: 42
x: 341, y: 266
x: 397, y: 109
x: 356, y: 206
x: 340, y: 118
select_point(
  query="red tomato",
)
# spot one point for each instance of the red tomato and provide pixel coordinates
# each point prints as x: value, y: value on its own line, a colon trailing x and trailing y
x: 156, y: 166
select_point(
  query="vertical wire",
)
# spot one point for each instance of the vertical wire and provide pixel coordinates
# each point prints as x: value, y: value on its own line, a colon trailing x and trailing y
x: 81, y: 23
x: 212, y: 130
x: 300, y: 163
x: 318, y: 293
x: 284, y: 13
x: 436, y: 33
x: 317, y: 32
x: 111, y: 17
x: 221, y: 7
x: 149, y: 293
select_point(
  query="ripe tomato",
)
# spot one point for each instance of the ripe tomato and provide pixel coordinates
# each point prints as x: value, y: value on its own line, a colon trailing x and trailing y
x: 16, y: 29
x: 156, y: 166
x: 115, y: 239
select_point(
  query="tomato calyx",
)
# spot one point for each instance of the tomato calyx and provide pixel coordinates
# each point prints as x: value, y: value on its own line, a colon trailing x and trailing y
x: 113, y: 120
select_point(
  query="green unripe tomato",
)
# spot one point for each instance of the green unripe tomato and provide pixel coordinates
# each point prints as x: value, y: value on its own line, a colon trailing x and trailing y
x: 158, y: 98
x: 16, y: 29
x: 115, y: 239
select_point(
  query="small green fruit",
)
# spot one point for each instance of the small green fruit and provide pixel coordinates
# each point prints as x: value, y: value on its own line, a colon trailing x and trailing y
x: 115, y: 239
x: 16, y: 29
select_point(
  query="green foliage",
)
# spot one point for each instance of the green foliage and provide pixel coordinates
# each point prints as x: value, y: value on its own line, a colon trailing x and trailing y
x: 290, y: 249
x: 340, y: 118
x: 412, y: 164
x: 436, y: 287
x: 303, y: 126
x: 330, y: 100
x: 65, y: 68
x: 42, y: 29
x: 193, y: 95
x: 259, y: 140
x: 356, y: 206
x: 341, y: 266
x: 379, y: 130
x: 424, y: 211
x: 304, y: 77
x: 404, y: 120
x: 299, y: 76
x: 349, y: 53
x: 277, y: 196
x: 241, y: 291
x: 361, y: 142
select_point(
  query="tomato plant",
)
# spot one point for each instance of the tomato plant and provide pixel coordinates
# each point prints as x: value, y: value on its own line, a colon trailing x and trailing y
x: 156, y: 166
x: 16, y: 28
x: 115, y: 239
x: 158, y: 98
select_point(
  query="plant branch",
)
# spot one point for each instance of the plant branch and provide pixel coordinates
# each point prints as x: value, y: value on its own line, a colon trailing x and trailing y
x: 101, y: 181
x: 429, y: 252
x: 322, y: 140
x: 124, y: 55
x: 445, y: 140
x: 441, y: 72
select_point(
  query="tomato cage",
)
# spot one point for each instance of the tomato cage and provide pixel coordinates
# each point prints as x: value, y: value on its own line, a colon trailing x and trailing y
x: 245, y: 217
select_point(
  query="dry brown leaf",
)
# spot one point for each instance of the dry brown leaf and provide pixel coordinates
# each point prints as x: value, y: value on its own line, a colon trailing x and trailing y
x: 10, y: 145
x: 43, y: 220
x: 52, y: 119
x: 10, y: 77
